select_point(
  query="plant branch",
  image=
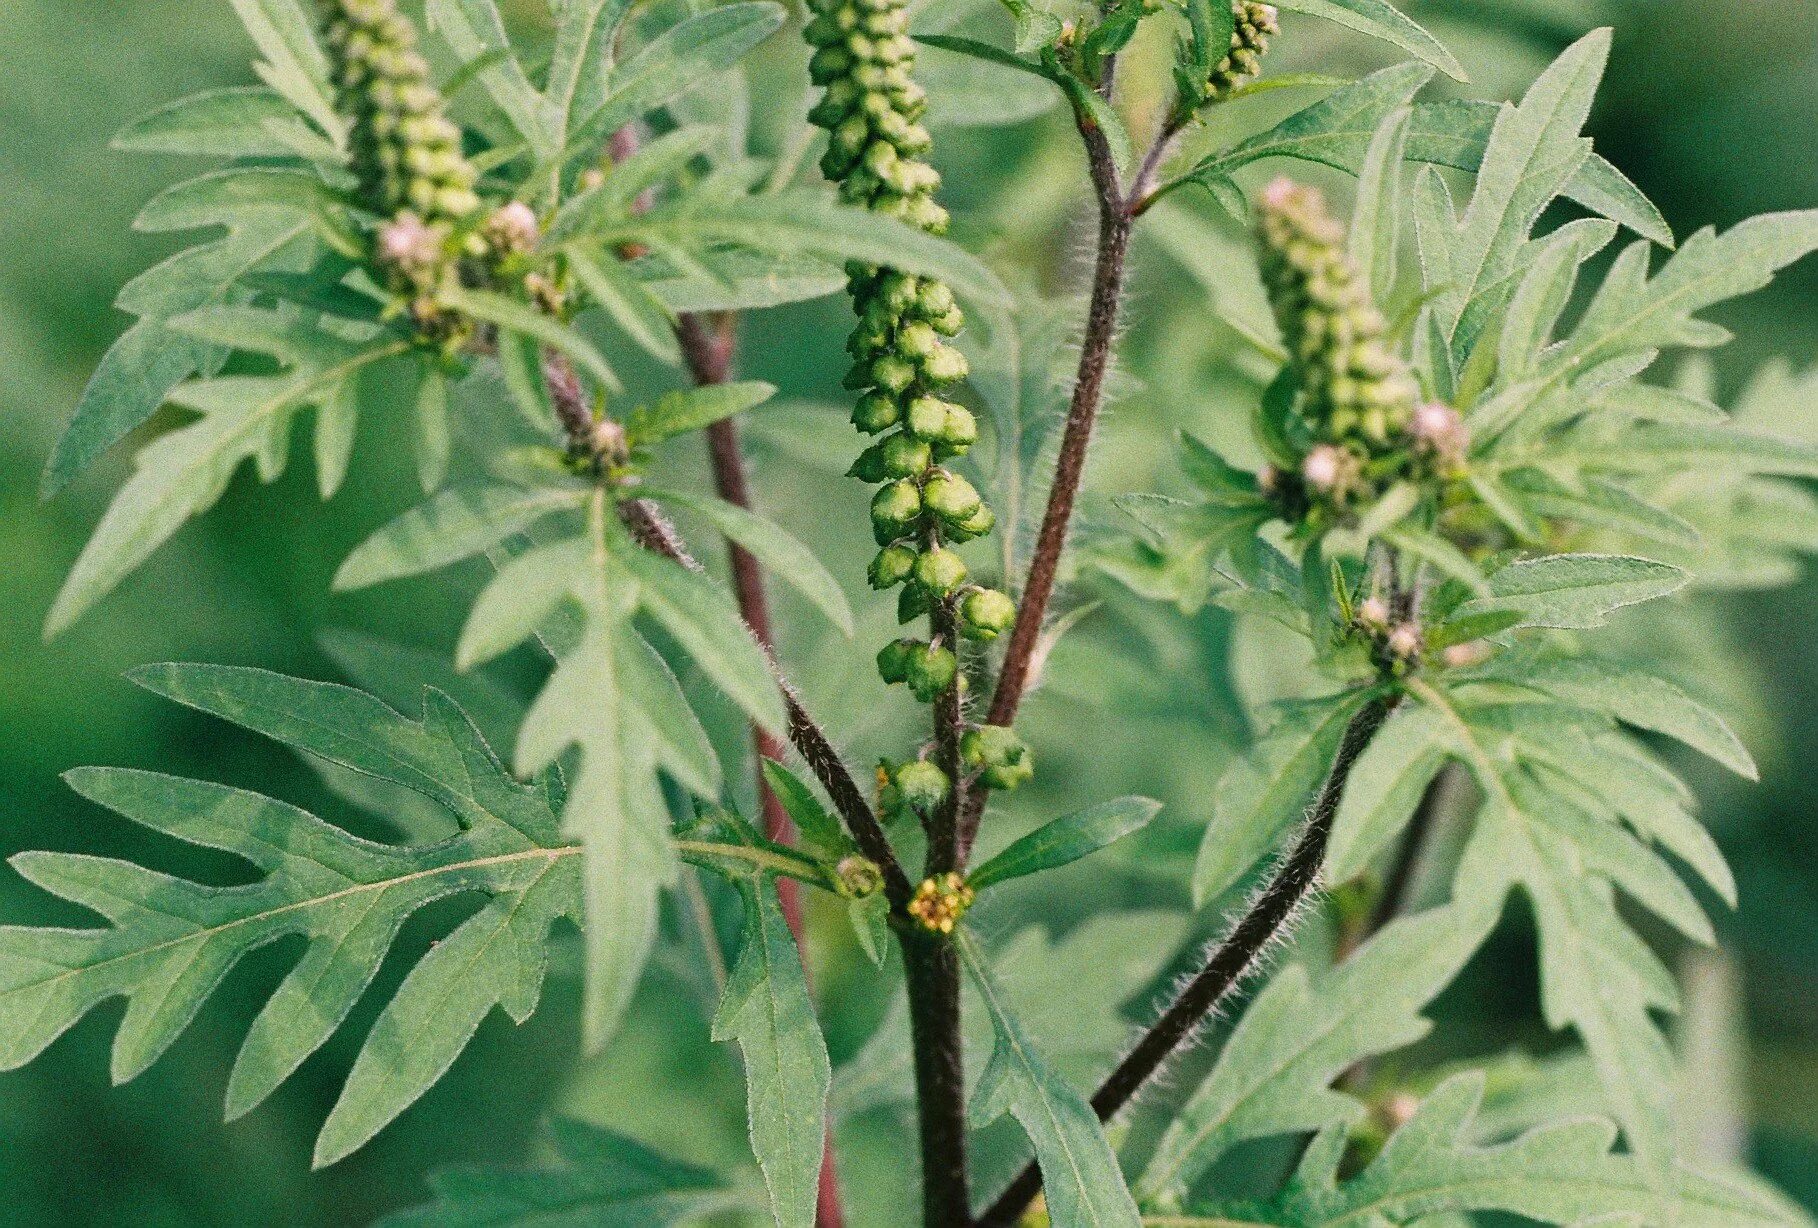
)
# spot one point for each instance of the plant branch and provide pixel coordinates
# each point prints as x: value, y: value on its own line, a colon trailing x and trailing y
x: 932, y: 971
x: 1268, y: 915
x: 1115, y: 223
x: 658, y: 535
x: 708, y: 347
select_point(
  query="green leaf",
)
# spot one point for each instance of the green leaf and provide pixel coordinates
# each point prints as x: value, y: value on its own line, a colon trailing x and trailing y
x: 818, y: 827
x: 705, y: 622
x: 294, y: 63
x: 1533, y: 152
x: 433, y: 438
x: 1633, y: 313
x: 584, y: 55
x: 180, y: 475
x: 734, y: 280
x: 614, y: 806
x: 1576, y: 590
x: 1067, y: 839
x: 766, y: 1009
x: 691, y: 409
x: 630, y: 304
x: 1557, y: 1174
x: 601, y: 1178
x: 804, y: 222
x: 1335, y: 131
x: 169, y: 942
x: 265, y: 216
x: 1597, y: 976
x: 781, y: 554
x: 1380, y: 19
x: 977, y: 49
x: 456, y: 524
x: 508, y: 313
x: 1275, y: 1073
x: 1263, y: 794
x: 1386, y: 784
x: 685, y: 55
x: 472, y: 29
x: 1080, y: 1178
x: 228, y: 123
x: 1646, y: 702
x: 1376, y: 221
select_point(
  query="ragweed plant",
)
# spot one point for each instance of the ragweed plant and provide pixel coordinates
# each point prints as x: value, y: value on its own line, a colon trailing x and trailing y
x: 1452, y: 473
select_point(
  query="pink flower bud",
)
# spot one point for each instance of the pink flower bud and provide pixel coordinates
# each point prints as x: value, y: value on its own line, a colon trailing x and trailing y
x: 409, y: 244
x: 1462, y: 656
x: 1404, y: 641
x: 514, y: 227
x: 1323, y: 467
x: 1373, y: 612
x: 1440, y: 429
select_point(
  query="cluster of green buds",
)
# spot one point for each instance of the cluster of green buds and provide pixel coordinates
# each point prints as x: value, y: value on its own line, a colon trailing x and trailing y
x: 1253, y: 25
x: 903, y: 359
x: 407, y: 158
x: 1361, y: 404
x: 918, y: 786
x: 1002, y: 760
x: 872, y: 109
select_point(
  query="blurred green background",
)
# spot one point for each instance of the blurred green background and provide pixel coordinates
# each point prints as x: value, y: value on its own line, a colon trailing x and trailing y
x: 1712, y: 106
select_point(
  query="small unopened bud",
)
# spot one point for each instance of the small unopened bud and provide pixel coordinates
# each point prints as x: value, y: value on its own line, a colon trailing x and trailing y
x: 1404, y: 641
x: 1463, y: 656
x: 1373, y: 612
x: 986, y: 614
x: 608, y: 439
x: 941, y: 902
x: 940, y: 571
x: 1002, y: 759
x: 921, y: 785
x: 951, y: 497
x: 931, y: 673
x: 408, y: 244
x: 858, y: 876
x: 1323, y: 468
x: 1440, y: 430
x: 891, y: 567
x: 513, y: 229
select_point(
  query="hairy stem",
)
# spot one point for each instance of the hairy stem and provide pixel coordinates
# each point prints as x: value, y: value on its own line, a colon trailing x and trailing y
x: 1229, y: 961
x: 932, y: 970
x: 1115, y: 223
x: 658, y: 535
x: 709, y: 347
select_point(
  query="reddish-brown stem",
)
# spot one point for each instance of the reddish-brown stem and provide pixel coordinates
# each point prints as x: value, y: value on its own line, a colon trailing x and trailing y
x: 1115, y: 223
x: 709, y: 348
x: 1267, y: 916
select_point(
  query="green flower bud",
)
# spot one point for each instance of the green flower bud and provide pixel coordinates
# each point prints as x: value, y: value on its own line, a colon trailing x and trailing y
x: 911, y: 604
x: 1359, y: 396
x: 893, y: 660
x: 940, y: 571
x: 1256, y: 24
x: 905, y: 456
x: 928, y: 417
x: 892, y: 566
x: 951, y: 497
x: 932, y: 672
x: 895, y: 510
x: 986, y: 614
x: 960, y: 430
x: 858, y: 877
x: 978, y: 524
x: 876, y: 413
x: 921, y: 785
x: 1002, y: 760
x: 869, y: 467
x: 945, y: 365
